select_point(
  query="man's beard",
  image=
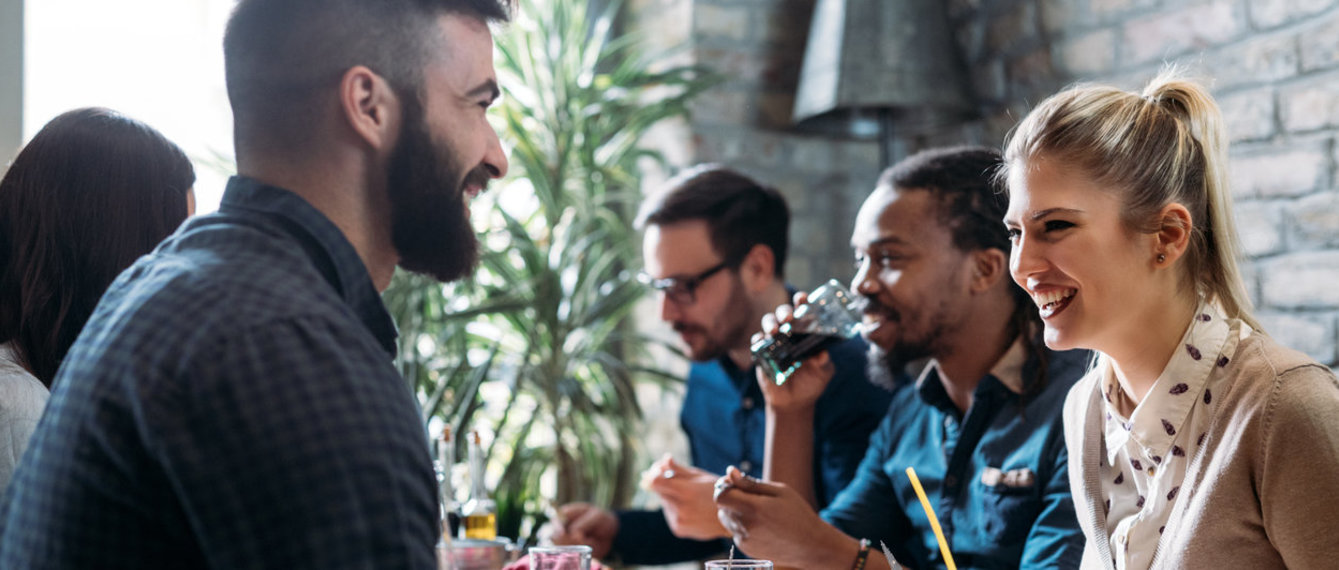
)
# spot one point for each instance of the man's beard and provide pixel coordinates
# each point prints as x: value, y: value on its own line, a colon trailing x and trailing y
x: 887, y: 367
x: 430, y: 228
x: 735, y: 333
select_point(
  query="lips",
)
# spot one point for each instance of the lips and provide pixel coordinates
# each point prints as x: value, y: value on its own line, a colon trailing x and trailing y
x: 1052, y: 302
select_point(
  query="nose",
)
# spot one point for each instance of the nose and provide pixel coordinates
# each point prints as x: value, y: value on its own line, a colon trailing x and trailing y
x: 1024, y: 260
x: 495, y: 160
x: 669, y: 310
x: 865, y: 282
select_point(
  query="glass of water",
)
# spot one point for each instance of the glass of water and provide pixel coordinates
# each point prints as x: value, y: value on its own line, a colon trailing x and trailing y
x: 739, y: 564
x: 572, y: 557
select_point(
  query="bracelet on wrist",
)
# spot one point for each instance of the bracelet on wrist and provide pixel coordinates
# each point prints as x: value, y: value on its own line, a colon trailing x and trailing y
x: 862, y: 556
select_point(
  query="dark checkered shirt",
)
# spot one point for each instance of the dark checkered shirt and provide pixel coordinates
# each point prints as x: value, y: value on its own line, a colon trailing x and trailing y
x: 232, y: 403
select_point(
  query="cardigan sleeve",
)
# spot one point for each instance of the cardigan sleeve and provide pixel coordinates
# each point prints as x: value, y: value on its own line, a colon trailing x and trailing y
x: 1298, y: 475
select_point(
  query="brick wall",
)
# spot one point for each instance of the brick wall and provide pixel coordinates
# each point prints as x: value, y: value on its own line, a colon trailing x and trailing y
x: 1273, y: 65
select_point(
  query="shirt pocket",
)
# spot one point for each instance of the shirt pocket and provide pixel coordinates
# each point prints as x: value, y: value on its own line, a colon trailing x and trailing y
x: 1008, y: 505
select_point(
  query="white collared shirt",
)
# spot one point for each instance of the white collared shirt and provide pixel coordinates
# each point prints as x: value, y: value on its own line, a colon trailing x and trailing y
x: 1148, y: 452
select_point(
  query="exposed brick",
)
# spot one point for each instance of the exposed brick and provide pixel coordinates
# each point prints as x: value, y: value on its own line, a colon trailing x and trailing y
x: 1250, y: 277
x: 1312, y: 334
x: 1104, y: 9
x: 1060, y: 16
x: 971, y: 38
x: 739, y: 65
x: 716, y: 21
x: 961, y: 8
x: 813, y: 153
x: 1315, y: 221
x: 1320, y: 44
x: 1270, y: 13
x: 788, y: 23
x: 1256, y: 60
x: 988, y: 82
x: 1311, y: 106
x: 1259, y: 226
x: 1011, y: 29
x: 1166, y: 34
x: 1093, y: 53
x: 1249, y: 115
x: 1288, y: 172
x: 776, y: 110
x: 1030, y: 72
x: 1301, y: 281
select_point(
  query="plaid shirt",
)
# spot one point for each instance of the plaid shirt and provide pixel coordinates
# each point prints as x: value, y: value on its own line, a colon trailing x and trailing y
x: 232, y: 403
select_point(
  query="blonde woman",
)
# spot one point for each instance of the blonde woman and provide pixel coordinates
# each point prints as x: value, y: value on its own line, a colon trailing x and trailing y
x: 1195, y: 441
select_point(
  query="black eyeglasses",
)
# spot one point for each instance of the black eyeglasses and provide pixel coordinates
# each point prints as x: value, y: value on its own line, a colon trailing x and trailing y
x: 681, y: 290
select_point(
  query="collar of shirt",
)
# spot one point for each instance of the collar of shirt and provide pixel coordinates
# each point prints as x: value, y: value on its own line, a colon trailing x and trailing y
x: 1007, y: 373
x: 328, y: 248
x: 1155, y: 421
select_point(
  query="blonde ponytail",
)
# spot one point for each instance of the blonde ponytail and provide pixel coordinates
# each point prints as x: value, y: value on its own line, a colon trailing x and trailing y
x: 1164, y: 145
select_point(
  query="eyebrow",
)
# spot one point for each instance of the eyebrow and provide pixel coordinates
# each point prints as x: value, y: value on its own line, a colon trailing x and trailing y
x: 890, y: 240
x: 1039, y: 214
x: 488, y: 87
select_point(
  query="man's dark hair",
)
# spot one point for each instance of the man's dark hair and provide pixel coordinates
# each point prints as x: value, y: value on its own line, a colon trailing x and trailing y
x: 92, y: 192
x: 969, y: 202
x: 740, y: 213
x: 284, y: 57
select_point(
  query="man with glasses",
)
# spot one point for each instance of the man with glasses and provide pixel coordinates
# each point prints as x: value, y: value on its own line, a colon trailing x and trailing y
x: 715, y: 251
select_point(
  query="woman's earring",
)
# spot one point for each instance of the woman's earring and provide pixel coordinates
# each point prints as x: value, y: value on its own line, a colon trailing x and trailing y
x: 1161, y: 258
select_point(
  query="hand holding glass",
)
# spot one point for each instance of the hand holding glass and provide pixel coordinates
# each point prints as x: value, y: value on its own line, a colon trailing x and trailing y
x: 830, y: 316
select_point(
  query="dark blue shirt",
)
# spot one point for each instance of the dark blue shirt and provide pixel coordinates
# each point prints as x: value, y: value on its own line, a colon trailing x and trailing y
x: 996, y: 476
x: 232, y: 403
x: 724, y: 416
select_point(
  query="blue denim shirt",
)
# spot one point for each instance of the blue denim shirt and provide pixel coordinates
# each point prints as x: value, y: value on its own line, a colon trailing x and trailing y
x: 994, y: 513
x: 724, y: 417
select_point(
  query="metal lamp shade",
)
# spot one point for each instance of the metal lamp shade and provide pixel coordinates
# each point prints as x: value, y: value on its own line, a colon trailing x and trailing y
x: 872, y: 62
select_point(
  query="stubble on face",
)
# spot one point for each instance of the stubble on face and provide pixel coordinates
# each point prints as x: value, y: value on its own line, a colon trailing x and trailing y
x: 730, y: 330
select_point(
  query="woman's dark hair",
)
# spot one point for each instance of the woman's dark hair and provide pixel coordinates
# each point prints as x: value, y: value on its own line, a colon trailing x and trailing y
x: 93, y: 191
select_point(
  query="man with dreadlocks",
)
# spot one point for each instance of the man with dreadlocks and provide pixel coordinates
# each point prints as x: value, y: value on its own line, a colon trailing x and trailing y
x: 981, y: 424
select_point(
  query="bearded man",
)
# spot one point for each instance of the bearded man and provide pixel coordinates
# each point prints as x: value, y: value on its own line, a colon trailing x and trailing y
x: 233, y: 403
x: 982, y: 423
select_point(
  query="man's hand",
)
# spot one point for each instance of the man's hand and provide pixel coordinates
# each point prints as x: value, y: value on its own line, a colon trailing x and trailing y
x: 799, y: 393
x: 685, y: 494
x: 771, y: 521
x: 584, y: 523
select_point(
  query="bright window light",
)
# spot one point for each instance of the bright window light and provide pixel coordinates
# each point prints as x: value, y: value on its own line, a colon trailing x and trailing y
x: 159, y: 61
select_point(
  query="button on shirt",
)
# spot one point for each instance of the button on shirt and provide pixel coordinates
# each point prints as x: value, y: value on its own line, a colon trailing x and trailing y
x: 724, y: 417
x: 996, y: 475
x: 1147, y: 453
x: 231, y: 403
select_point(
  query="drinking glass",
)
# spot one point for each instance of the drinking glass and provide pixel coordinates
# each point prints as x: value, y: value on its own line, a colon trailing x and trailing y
x: 831, y: 316
x: 739, y: 564
x: 572, y: 557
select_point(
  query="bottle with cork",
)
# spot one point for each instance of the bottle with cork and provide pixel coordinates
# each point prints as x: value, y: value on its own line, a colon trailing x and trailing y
x: 480, y: 512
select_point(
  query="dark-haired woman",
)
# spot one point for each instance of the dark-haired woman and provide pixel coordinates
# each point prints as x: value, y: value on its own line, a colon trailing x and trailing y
x: 93, y: 191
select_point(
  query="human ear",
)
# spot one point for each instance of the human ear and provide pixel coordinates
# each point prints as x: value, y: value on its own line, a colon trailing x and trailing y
x: 370, y: 106
x: 989, y: 266
x: 758, y: 268
x: 1173, y: 235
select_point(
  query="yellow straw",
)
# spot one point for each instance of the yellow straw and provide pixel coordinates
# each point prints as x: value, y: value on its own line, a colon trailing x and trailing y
x: 934, y: 521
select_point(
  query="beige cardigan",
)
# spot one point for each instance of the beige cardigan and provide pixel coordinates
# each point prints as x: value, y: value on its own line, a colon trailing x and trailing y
x: 1263, y: 489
